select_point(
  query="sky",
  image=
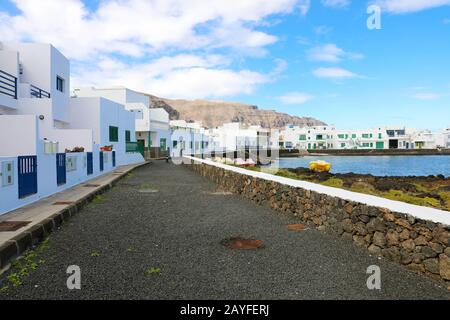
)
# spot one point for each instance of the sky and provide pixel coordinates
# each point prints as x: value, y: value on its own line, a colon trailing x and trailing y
x: 314, y: 58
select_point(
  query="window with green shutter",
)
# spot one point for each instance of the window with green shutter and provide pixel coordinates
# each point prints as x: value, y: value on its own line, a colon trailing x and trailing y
x: 127, y: 136
x: 303, y: 137
x: 354, y: 136
x: 365, y: 136
x: 113, y: 134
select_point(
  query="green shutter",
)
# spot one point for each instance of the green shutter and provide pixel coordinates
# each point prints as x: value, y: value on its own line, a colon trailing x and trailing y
x: 113, y: 134
x: 127, y: 136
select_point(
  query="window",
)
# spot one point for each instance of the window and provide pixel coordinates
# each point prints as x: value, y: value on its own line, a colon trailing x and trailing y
x: 353, y: 136
x: 365, y: 136
x: 302, y: 137
x: 59, y: 84
x: 138, y: 114
x: 113, y: 134
x: 319, y: 137
x: 343, y: 145
x: 175, y: 143
x: 127, y: 136
x: 380, y: 136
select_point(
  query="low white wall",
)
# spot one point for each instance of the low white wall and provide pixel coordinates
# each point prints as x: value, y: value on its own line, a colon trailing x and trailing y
x: 47, y: 177
x: 71, y: 138
x: 18, y: 135
x: 425, y: 213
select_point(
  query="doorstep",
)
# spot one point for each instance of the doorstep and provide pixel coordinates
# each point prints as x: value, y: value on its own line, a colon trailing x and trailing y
x: 47, y: 214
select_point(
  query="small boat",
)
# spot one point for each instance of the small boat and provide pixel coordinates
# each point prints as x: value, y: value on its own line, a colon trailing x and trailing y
x: 250, y: 163
x: 319, y: 166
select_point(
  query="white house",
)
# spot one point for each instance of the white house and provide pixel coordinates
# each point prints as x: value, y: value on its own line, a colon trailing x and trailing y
x: 237, y: 136
x: 383, y: 137
x: 48, y: 141
x: 152, y: 124
x: 304, y: 138
x: 188, y: 138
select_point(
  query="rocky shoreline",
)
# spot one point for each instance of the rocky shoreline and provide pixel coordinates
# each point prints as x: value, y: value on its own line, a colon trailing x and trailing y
x: 430, y: 191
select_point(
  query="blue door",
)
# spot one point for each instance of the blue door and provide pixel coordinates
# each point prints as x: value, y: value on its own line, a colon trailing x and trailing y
x: 27, y: 167
x: 101, y: 161
x: 60, y: 168
x: 90, y: 163
x: 114, y: 158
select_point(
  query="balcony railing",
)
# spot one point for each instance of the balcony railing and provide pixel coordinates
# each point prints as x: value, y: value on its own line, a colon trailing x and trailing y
x: 38, y: 92
x: 8, y: 85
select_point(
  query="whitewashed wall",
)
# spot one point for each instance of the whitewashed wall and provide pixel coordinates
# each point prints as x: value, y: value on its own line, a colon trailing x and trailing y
x: 46, y: 175
x: 18, y: 135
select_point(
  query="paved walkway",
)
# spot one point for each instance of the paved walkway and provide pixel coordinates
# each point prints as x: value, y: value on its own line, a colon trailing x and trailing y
x: 141, y: 244
x: 36, y: 213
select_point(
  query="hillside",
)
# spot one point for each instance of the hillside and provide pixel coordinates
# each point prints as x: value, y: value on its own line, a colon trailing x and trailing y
x: 215, y: 113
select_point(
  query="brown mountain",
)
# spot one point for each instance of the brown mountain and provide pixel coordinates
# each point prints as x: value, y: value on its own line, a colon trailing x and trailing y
x: 215, y: 113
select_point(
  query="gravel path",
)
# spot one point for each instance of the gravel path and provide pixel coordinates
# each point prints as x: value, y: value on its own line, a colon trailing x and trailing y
x: 178, y: 230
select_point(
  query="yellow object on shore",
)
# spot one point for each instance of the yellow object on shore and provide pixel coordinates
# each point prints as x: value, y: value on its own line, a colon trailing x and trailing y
x: 320, y: 166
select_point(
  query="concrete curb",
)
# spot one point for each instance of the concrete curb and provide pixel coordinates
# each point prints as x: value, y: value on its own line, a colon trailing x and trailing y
x: 37, y: 233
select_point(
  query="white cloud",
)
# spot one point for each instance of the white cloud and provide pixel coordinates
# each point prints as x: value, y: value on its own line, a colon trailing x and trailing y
x: 295, y: 98
x: 427, y: 96
x: 335, y: 3
x: 135, y: 27
x: 321, y: 30
x: 330, y: 53
x: 334, y: 73
x: 181, y: 76
x: 162, y: 46
x: 304, y: 6
x: 408, y: 6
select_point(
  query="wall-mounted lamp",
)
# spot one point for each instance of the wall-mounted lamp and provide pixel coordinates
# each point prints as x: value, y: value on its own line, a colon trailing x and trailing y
x: 41, y: 117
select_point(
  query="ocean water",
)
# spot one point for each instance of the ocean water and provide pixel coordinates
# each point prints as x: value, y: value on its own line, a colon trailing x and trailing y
x: 378, y: 165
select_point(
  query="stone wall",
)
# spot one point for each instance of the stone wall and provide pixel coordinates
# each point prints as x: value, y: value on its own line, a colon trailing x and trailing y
x: 420, y: 245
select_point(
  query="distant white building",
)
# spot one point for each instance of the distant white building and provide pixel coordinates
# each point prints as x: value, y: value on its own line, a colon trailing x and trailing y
x: 236, y: 136
x: 152, y: 124
x: 189, y: 138
x: 49, y: 141
x: 383, y: 137
x: 304, y: 138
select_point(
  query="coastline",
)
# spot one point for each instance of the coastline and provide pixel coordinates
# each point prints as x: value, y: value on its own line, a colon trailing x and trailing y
x: 358, y: 152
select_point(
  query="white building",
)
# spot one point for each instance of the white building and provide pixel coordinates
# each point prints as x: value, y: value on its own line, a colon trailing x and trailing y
x: 383, y: 137
x: 48, y: 141
x: 152, y: 124
x: 308, y: 138
x: 237, y: 136
x: 189, y: 138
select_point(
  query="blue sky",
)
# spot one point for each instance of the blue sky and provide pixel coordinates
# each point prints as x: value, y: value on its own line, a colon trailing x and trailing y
x: 307, y: 58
